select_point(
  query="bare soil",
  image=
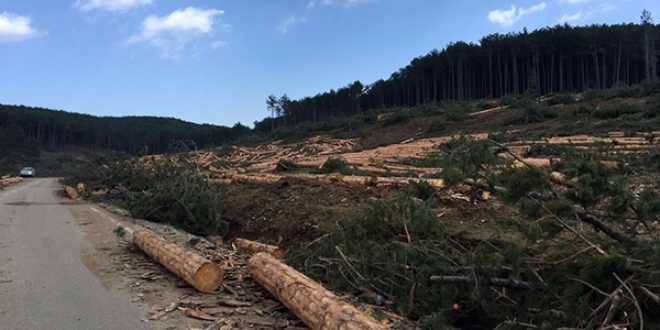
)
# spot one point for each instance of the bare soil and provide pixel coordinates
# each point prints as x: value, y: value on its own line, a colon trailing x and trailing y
x: 294, y: 212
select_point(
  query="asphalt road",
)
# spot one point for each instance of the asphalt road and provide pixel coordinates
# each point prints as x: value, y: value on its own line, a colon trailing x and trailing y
x: 43, y: 282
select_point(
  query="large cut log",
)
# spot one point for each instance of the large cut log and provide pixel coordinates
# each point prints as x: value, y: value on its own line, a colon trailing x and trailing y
x: 203, y: 274
x: 5, y: 181
x: 72, y: 192
x: 259, y: 247
x: 317, y: 307
x: 80, y: 188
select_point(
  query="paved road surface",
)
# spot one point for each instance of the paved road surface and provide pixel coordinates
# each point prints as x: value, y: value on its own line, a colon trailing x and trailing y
x: 43, y: 283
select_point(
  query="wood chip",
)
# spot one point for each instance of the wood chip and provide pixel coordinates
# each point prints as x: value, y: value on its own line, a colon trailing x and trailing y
x: 197, y: 314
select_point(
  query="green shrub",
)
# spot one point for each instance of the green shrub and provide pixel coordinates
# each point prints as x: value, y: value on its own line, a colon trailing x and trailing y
x: 590, y: 95
x: 565, y: 98
x: 457, y: 116
x: 534, y: 113
x: 397, y: 118
x: 620, y: 90
x: 335, y: 165
x: 616, y: 110
x: 436, y: 127
x: 160, y: 192
x: 484, y: 105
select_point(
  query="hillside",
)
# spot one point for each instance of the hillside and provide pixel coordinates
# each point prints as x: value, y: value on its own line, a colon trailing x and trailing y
x: 26, y: 132
x: 457, y: 214
x: 556, y: 59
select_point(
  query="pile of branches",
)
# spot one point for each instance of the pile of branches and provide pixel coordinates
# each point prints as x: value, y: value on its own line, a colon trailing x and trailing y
x: 582, y: 256
x: 159, y: 191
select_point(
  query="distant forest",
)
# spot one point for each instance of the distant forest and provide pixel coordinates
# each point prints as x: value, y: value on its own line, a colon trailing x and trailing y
x: 24, y: 127
x: 557, y: 59
x: 550, y: 60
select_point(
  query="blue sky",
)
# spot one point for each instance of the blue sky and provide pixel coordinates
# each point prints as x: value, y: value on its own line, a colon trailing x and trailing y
x: 216, y: 61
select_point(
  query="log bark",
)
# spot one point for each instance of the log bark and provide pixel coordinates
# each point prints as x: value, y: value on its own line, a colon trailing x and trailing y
x: 5, y: 181
x: 257, y: 247
x: 80, y: 188
x: 317, y: 307
x: 563, y: 180
x: 201, y: 273
x: 73, y: 193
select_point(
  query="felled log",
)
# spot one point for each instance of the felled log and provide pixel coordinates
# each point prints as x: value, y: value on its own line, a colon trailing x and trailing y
x: 203, y: 274
x: 80, y: 188
x: 563, y: 180
x: 538, y: 162
x: 311, y: 164
x: 616, y: 134
x: 221, y: 181
x: 266, y: 179
x: 73, y: 193
x: 316, y: 306
x: 256, y: 247
x: 5, y: 181
x: 488, y: 110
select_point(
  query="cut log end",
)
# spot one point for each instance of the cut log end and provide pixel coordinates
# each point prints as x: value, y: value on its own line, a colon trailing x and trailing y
x: 208, y: 277
x: 73, y: 193
x: 201, y: 273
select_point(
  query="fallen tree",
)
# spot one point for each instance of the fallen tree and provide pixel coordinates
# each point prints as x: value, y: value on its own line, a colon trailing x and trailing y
x: 203, y: 274
x: 256, y: 247
x: 316, y: 306
x: 5, y: 181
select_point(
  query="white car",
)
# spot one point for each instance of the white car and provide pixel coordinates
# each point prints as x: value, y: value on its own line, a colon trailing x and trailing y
x: 28, y: 171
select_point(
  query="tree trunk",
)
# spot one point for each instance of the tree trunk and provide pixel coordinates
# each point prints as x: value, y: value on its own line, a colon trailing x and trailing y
x: 201, y: 273
x: 317, y: 307
x: 259, y: 247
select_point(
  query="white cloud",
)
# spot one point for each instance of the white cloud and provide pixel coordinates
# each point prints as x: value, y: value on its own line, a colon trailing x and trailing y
x: 570, y: 18
x: 219, y: 44
x: 508, y: 17
x: 109, y: 5
x: 586, y: 14
x: 351, y: 3
x: 288, y: 24
x: 15, y: 28
x: 605, y: 7
x: 345, y: 3
x: 573, y: 1
x: 171, y: 33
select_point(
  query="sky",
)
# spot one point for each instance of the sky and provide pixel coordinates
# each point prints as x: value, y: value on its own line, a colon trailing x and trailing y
x: 216, y: 61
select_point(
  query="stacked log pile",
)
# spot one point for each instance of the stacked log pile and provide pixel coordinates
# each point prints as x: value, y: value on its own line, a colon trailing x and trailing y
x: 259, y: 164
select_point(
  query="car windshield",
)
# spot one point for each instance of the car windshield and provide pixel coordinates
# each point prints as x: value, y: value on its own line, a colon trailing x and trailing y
x: 28, y: 169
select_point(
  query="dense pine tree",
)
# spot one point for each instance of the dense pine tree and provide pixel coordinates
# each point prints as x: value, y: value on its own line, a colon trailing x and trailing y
x: 556, y: 59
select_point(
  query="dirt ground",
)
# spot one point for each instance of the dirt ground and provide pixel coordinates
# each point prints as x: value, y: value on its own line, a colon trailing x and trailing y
x: 294, y: 212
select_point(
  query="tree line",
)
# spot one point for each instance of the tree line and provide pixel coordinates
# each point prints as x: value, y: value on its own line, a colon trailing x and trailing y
x: 555, y: 59
x: 55, y: 130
